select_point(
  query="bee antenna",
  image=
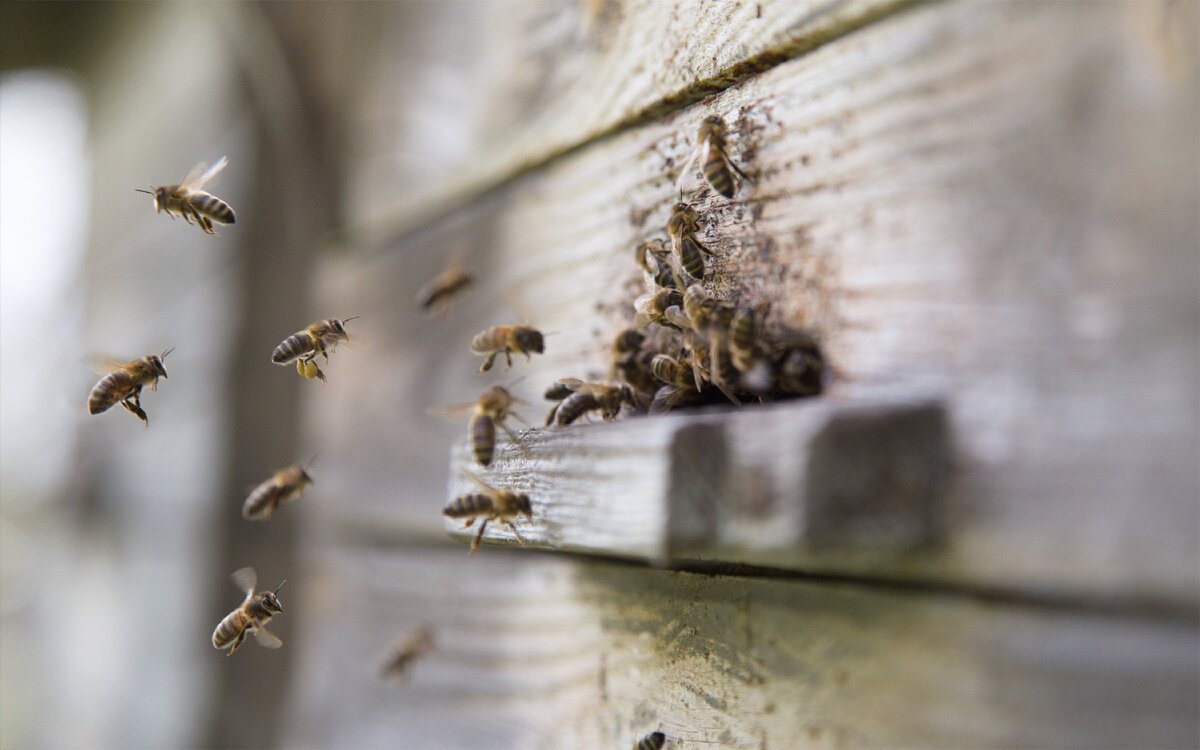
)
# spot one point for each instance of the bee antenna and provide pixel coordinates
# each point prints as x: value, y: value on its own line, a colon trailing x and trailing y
x: 280, y: 586
x: 164, y: 354
x: 311, y: 461
x: 347, y: 320
x: 139, y: 190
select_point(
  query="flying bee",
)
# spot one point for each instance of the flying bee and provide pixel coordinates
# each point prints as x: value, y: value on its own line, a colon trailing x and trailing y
x: 413, y: 647
x: 251, y: 617
x: 715, y: 163
x: 436, y: 296
x: 303, y: 347
x: 652, y: 307
x: 282, y: 488
x: 505, y: 339
x: 492, y: 504
x: 189, y: 201
x: 655, y: 259
x: 689, y: 251
x: 124, y: 382
x: 493, y: 408
x: 583, y: 397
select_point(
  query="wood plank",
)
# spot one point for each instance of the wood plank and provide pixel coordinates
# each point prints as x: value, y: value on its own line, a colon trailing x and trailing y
x: 544, y: 78
x: 822, y: 485
x: 951, y: 202
x: 537, y: 651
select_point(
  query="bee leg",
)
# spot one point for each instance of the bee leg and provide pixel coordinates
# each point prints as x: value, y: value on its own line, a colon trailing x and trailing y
x: 508, y: 359
x: 478, y: 536
x: 487, y: 362
x: 237, y: 642
x: 512, y: 527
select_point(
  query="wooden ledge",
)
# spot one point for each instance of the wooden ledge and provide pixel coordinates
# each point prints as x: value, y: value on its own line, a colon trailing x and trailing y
x: 783, y: 485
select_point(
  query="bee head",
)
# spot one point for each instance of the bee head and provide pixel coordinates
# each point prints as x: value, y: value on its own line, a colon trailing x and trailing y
x: 156, y: 362
x: 269, y: 600
x: 712, y: 124
x: 530, y: 340
x: 524, y: 505
x: 159, y: 194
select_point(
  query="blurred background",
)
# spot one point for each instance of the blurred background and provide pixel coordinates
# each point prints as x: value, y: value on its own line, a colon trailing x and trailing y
x: 343, y: 122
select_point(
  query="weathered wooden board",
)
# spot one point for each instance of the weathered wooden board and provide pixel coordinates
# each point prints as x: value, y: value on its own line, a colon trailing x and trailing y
x: 951, y: 201
x: 543, y: 78
x: 545, y: 651
x: 822, y: 484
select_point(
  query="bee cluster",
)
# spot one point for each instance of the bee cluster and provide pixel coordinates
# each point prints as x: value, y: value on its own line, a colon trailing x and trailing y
x: 686, y: 346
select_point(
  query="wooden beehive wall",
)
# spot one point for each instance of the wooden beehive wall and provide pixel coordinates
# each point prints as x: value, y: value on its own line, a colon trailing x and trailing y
x: 987, y: 215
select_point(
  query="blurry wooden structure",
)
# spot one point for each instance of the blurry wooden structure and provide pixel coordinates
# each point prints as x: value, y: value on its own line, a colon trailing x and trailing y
x: 987, y: 532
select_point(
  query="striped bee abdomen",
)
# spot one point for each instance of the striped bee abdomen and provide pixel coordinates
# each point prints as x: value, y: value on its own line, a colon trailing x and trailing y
x: 487, y: 340
x: 262, y: 502
x: 717, y: 172
x: 691, y: 259
x: 229, y: 629
x: 574, y: 407
x: 483, y: 438
x: 296, y: 345
x: 213, y: 207
x: 468, y: 506
x: 113, y: 388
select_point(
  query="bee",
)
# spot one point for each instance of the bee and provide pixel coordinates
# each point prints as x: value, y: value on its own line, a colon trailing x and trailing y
x: 582, y: 397
x: 413, y: 647
x: 124, y: 382
x: 652, y: 741
x: 672, y: 372
x: 251, y: 617
x: 655, y: 259
x: 800, y: 369
x: 652, y: 307
x: 493, y: 407
x: 715, y: 163
x: 556, y: 393
x: 704, y: 312
x: 689, y: 251
x: 437, y: 294
x: 507, y: 339
x: 190, y: 202
x: 321, y: 338
x: 492, y: 504
x: 285, y: 486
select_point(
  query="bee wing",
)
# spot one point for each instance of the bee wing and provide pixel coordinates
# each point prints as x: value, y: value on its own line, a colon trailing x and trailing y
x: 245, y: 579
x: 574, y: 384
x: 266, y: 638
x: 452, y: 411
x: 200, y: 175
x: 105, y: 365
x: 489, y: 489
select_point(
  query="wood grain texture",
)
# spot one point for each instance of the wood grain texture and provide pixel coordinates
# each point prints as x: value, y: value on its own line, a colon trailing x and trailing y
x: 952, y: 201
x: 537, y: 651
x: 543, y: 78
x: 820, y: 485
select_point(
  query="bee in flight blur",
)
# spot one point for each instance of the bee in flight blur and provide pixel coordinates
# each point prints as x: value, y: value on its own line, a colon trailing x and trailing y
x: 282, y: 488
x: 505, y: 339
x: 123, y: 384
x: 492, y: 409
x: 437, y: 295
x: 715, y: 163
x: 251, y: 617
x: 303, y: 347
x: 416, y: 645
x: 189, y: 201
x: 492, y: 504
